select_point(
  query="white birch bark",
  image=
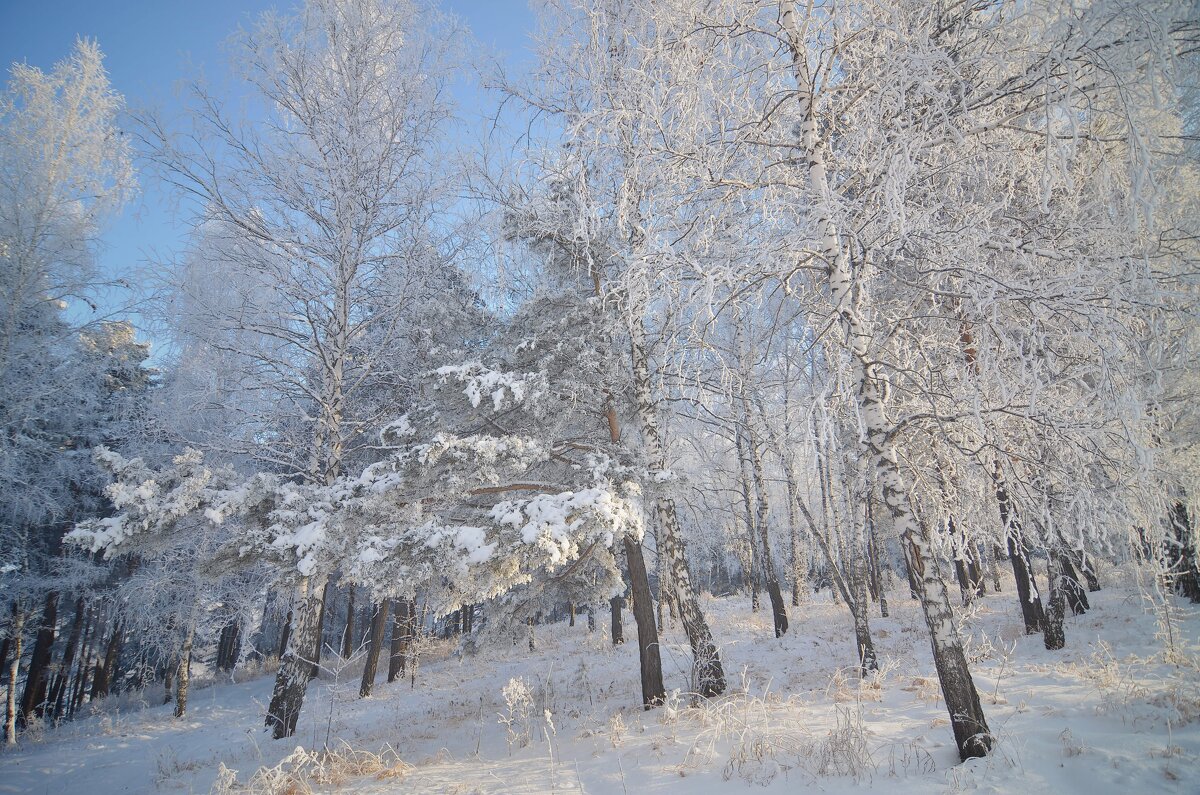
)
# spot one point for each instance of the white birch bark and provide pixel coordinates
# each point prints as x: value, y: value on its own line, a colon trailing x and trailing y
x: 962, y: 700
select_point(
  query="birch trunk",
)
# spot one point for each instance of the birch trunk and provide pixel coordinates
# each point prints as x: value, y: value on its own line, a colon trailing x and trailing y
x: 762, y: 521
x: 183, y: 676
x: 1054, y: 635
x: 971, y: 731
x: 752, y: 576
x: 14, y: 668
x: 707, y: 673
x: 297, y: 663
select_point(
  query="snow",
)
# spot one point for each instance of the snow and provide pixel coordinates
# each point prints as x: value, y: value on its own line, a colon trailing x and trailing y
x: 481, y: 380
x: 1110, y: 714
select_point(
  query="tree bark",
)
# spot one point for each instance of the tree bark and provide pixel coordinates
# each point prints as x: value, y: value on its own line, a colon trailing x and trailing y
x: 102, y: 682
x: 374, y: 644
x: 1054, y: 636
x: 89, y: 640
x: 183, y: 676
x: 285, y: 635
x: 653, y: 690
x: 618, y: 631
x: 1027, y: 591
x: 402, y: 626
x: 348, y: 635
x: 14, y: 668
x: 971, y: 731
x: 707, y: 672
x: 58, y: 689
x: 762, y: 523
x: 33, y: 700
x: 297, y: 664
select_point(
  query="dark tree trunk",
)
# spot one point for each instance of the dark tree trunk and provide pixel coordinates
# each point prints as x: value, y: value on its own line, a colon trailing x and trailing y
x: 913, y: 585
x: 348, y: 635
x: 103, y: 679
x: 402, y: 630
x: 1089, y: 572
x: 591, y: 619
x: 81, y: 672
x: 229, y: 646
x: 285, y: 635
x: 374, y: 644
x: 761, y: 524
x: 1073, y: 590
x: 571, y: 614
x: 297, y: 666
x: 1054, y: 636
x: 1027, y: 590
x: 58, y: 689
x: 1183, y: 566
x: 618, y: 631
x: 318, y: 642
x: 33, y: 701
x: 653, y: 690
x: 183, y: 676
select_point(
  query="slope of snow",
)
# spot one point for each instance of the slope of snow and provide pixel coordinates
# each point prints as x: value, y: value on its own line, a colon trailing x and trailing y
x: 1113, y: 713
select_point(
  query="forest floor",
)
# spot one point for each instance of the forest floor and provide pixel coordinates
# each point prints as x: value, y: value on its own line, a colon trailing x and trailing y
x: 1117, y: 711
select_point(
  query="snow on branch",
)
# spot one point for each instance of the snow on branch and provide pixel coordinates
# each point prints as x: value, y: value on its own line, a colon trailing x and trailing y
x: 505, y: 389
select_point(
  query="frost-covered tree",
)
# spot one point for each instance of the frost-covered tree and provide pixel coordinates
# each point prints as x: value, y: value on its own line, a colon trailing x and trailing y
x: 65, y: 168
x: 323, y: 206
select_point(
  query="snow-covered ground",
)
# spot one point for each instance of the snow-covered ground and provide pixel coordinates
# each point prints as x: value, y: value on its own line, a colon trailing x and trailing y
x: 1114, y: 712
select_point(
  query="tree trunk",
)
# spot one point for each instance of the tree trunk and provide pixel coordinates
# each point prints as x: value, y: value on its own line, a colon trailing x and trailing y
x: 183, y: 676
x: 867, y: 659
x: 1073, y: 590
x: 762, y: 523
x: 102, y: 682
x: 348, y: 635
x: 1088, y: 571
x: 653, y: 690
x: 1027, y: 590
x: 618, y: 631
x: 402, y: 626
x: 14, y: 668
x: 229, y: 646
x: 327, y: 596
x: 285, y: 635
x: 1054, y: 636
x: 89, y: 640
x: 971, y: 732
x: 753, y: 575
x: 58, y: 689
x: 993, y: 569
x: 877, y: 568
x: 33, y: 701
x: 374, y: 644
x: 296, y: 666
x: 1183, y: 564
x: 707, y: 673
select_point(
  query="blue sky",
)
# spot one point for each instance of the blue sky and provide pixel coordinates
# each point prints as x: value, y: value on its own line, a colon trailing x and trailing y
x: 150, y: 45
